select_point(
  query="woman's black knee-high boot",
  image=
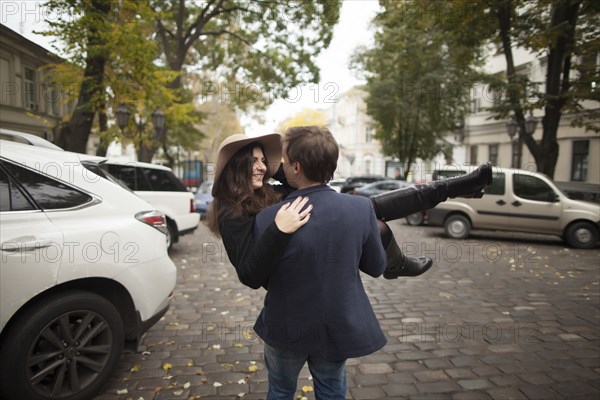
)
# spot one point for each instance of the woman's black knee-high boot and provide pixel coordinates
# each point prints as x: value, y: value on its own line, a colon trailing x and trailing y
x: 399, y: 203
x: 398, y: 264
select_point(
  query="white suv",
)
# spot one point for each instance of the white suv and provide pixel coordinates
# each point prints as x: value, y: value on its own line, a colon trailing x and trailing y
x: 154, y: 183
x: 525, y: 201
x: 84, y: 273
x: 161, y: 188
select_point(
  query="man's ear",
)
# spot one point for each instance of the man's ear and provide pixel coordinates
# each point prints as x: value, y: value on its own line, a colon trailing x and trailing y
x: 298, y: 170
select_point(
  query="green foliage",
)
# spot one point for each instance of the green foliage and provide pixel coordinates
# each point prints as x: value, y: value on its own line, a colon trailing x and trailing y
x: 256, y: 50
x: 418, y: 79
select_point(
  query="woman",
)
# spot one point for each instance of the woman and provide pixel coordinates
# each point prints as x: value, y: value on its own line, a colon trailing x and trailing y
x: 241, y: 190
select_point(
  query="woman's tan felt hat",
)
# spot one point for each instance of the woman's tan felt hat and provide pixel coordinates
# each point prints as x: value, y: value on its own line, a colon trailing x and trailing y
x: 271, y: 144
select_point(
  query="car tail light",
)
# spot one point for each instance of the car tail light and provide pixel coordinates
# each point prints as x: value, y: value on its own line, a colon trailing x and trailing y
x: 155, y: 219
x: 192, y: 206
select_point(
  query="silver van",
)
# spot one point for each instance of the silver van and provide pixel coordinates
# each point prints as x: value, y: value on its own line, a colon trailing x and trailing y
x: 524, y: 201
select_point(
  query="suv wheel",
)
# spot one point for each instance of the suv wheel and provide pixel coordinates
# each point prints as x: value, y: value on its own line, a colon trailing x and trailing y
x: 65, y: 347
x: 170, y: 235
x: 415, y: 219
x: 582, y: 235
x: 457, y: 226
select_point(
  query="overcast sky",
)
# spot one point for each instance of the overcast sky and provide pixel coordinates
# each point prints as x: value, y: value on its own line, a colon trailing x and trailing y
x: 351, y: 31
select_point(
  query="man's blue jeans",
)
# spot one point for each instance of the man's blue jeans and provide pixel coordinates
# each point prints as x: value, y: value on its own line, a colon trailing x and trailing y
x: 284, y: 367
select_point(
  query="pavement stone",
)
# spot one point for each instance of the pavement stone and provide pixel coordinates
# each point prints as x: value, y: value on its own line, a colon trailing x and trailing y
x: 499, y: 316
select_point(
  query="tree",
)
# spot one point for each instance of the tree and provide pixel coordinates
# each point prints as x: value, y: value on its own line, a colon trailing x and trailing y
x: 257, y: 50
x: 112, y: 62
x: 418, y: 80
x: 219, y: 122
x: 563, y: 32
x: 306, y: 116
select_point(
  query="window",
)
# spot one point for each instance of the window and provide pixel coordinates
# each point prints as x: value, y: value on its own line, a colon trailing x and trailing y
x: 515, y: 156
x: 498, y: 184
x: 368, y: 134
x: 475, y: 105
x: 29, y: 93
x: 368, y: 165
x: 52, y: 95
x: 48, y: 193
x: 163, y: 181
x: 496, y: 93
x: 473, y: 158
x: 6, y: 86
x: 11, y: 197
x: 129, y: 175
x: 579, y: 163
x: 493, y: 154
x: 532, y: 188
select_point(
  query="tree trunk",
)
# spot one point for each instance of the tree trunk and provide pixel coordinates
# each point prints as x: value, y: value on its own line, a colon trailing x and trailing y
x: 75, y: 134
x: 103, y: 122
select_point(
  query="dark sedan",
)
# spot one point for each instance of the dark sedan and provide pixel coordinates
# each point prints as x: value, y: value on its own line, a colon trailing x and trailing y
x: 380, y: 187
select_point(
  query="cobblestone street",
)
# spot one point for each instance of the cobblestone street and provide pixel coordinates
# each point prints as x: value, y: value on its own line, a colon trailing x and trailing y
x: 497, y: 317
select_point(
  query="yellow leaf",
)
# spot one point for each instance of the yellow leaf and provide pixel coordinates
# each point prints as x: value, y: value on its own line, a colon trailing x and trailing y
x: 238, y: 345
x: 253, y: 368
x: 167, y: 366
x: 190, y: 364
x: 307, y: 389
x: 136, y: 368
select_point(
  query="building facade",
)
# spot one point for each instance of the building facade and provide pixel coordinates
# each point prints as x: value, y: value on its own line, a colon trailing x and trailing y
x: 360, y: 153
x: 28, y: 102
x: 481, y: 139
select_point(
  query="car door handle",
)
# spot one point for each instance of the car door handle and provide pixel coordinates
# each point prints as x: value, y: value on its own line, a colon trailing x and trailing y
x: 501, y: 202
x: 27, y: 245
x: 516, y: 203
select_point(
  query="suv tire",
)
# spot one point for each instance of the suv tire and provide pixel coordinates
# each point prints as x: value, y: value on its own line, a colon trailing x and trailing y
x: 457, y: 226
x: 64, y: 347
x: 582, y: 235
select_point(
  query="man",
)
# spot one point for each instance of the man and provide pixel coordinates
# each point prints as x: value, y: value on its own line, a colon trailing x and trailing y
x: 316, y: 310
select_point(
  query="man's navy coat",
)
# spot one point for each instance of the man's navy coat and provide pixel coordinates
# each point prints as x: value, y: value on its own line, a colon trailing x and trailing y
x: 316, y: 302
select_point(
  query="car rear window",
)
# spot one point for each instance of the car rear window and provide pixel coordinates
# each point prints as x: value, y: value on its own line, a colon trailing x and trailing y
x: 163, y: 181
x: 48, y: 193
x: 129, y: 175
x: 11, y: 197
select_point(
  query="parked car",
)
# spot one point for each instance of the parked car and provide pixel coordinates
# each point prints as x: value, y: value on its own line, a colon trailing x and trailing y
x: 443, y: 172
x: 84, y: 274
x: 26, y: 138
x: 519, y: 200
x: 358, y: 181
x: 154, y: 183
x: 160, y: 187
x: 336, y: 184
x: 203, y: 197
x: 379, y: 187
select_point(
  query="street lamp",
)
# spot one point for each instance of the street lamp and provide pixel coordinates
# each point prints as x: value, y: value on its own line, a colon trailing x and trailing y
x: 158, y: 120
x: 122, y: 114
x: 512, y: 127
x: 531, y: 124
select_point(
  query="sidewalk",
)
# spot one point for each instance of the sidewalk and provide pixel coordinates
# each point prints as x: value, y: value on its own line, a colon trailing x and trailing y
x: 495, y: 318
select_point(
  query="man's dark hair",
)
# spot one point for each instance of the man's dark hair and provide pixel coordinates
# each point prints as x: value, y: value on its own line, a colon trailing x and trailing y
x: 315, y: 148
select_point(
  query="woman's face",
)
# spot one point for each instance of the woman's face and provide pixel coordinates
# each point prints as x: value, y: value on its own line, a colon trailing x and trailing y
x: 259, y: 168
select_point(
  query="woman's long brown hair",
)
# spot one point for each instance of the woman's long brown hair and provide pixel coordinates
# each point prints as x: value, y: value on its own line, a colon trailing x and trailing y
x: 234, y: 195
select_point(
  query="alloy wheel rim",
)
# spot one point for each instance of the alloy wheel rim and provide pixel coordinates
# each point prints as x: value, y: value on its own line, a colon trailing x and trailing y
x: 583, y: 235
x: 67, y: 355
x: 457, y: 227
